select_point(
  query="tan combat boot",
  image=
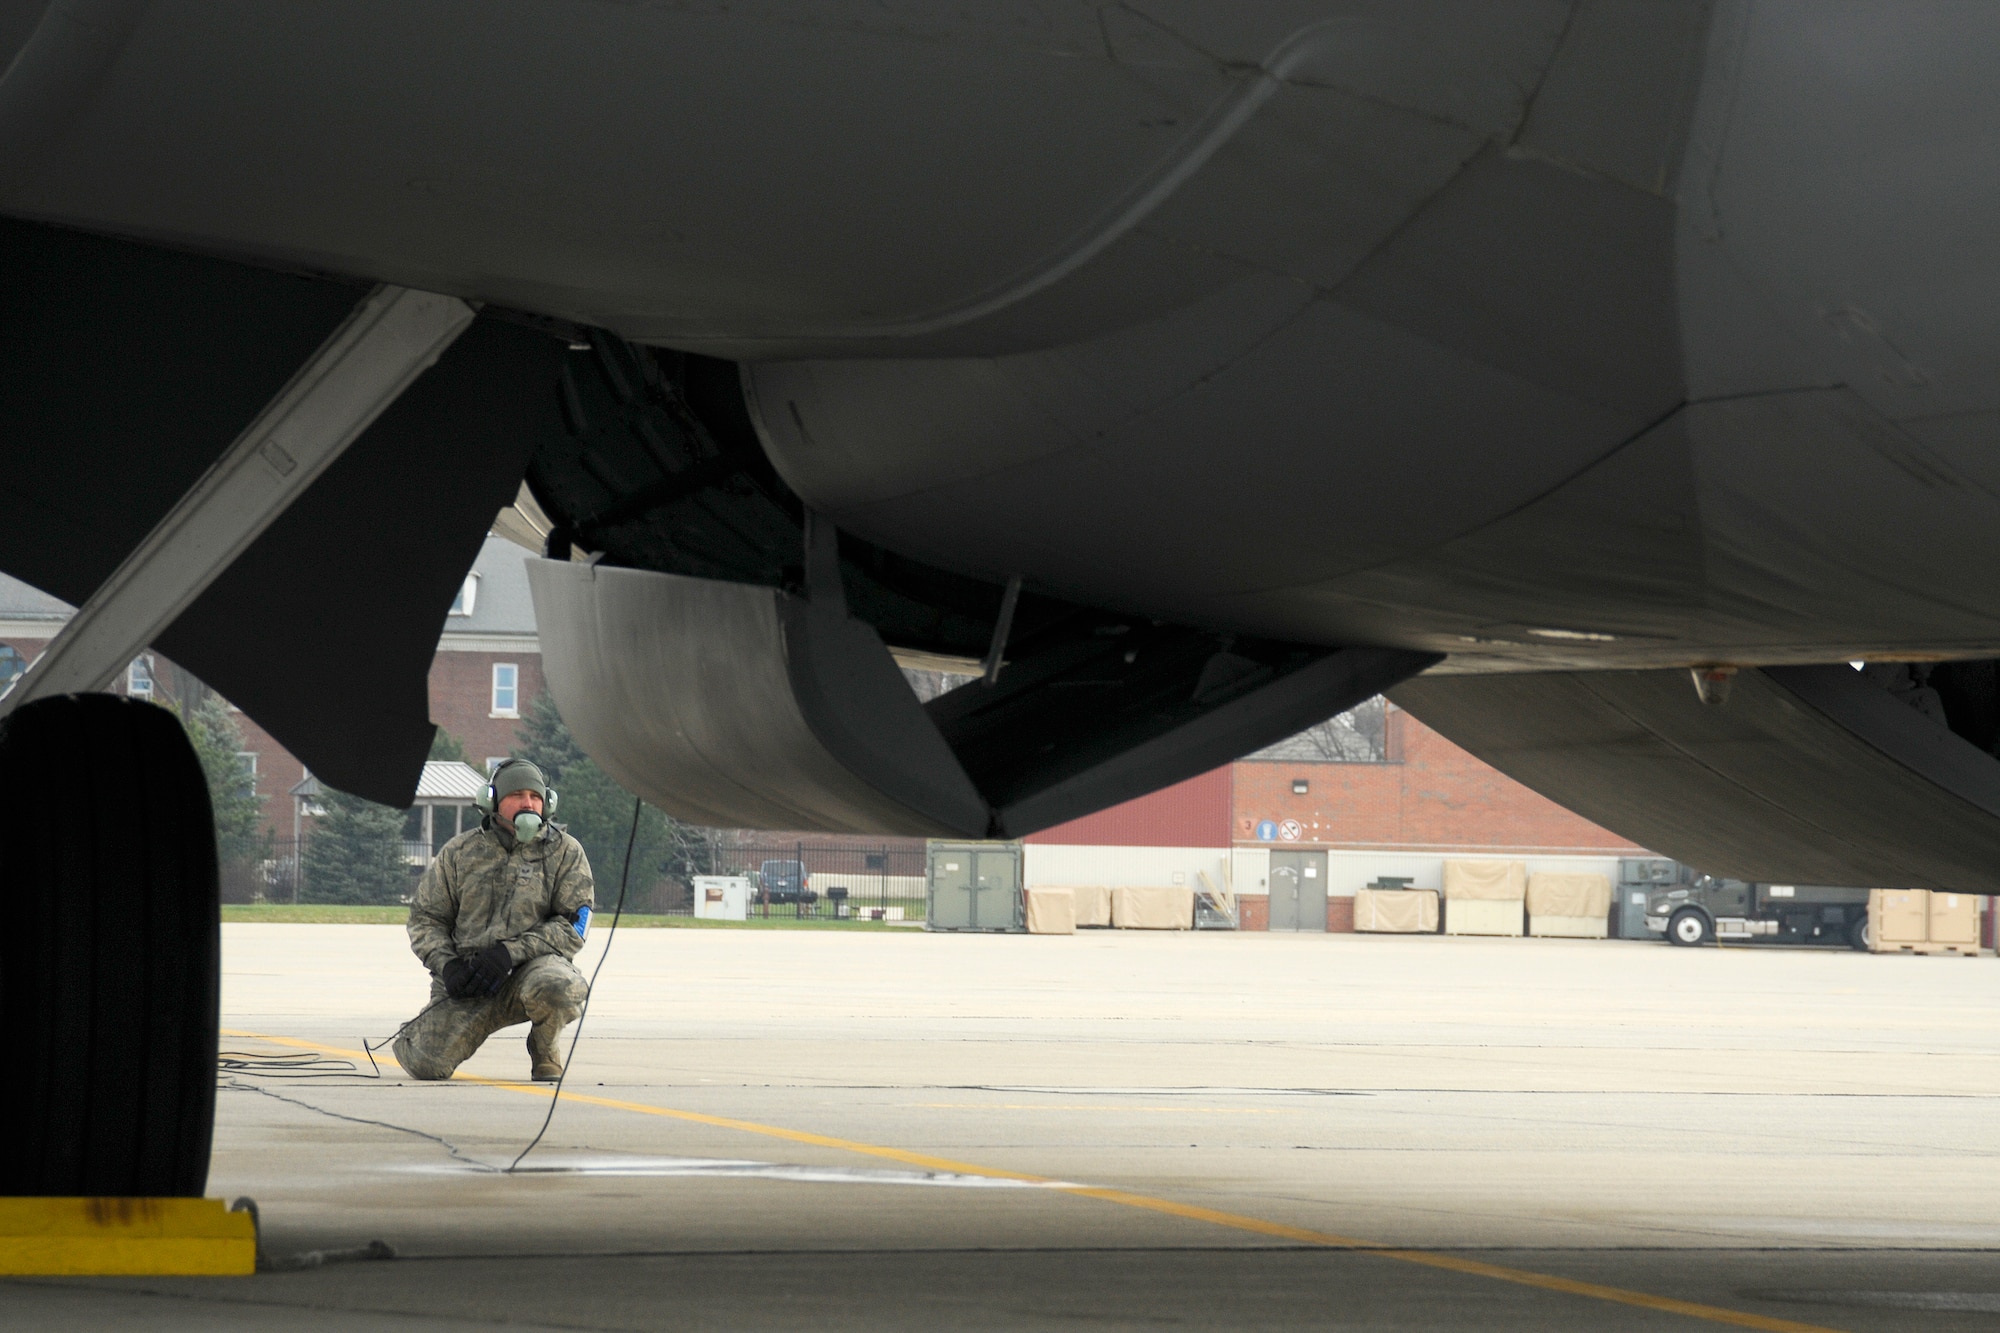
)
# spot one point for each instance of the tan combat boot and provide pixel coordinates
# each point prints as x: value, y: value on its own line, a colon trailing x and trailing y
x: 545, y: 1065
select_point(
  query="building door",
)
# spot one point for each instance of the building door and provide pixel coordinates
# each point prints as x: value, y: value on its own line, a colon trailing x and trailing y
x: 1298, y: 891
x: 996, y: 888
x: 951, y: 888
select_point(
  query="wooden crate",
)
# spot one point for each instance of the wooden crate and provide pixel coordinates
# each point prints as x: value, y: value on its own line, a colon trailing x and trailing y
x: 1898, y: 919
x: 1479, y: 916
x: 1954, y: 920
x: 1569, y: 927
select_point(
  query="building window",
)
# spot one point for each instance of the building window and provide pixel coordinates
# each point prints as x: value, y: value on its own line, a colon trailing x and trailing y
x: 468, y: 595
x: 12, y: 664
x: 247, y: 761
x: 506, y: 689
x: 1300, y: 786
x: 139, y: 678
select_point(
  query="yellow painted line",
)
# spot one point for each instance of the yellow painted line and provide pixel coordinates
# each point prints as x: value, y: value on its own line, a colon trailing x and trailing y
x: 1714, y: 1314
x: 928, y: 1163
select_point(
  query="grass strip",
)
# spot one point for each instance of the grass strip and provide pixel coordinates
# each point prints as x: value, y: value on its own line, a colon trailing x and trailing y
x: 336, y: 914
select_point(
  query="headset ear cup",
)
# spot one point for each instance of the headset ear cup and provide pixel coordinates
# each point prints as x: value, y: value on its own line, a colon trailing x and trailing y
x: 550, y: 804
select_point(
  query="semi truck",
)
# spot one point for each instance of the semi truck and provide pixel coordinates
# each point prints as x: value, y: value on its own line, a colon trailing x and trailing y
x: 1703, y: 909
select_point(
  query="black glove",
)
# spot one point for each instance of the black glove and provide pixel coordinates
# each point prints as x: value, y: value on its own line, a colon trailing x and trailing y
x: 490, y: 967
x: 459, y: 978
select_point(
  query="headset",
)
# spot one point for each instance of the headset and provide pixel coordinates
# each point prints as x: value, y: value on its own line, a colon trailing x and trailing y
x: 488, y: 800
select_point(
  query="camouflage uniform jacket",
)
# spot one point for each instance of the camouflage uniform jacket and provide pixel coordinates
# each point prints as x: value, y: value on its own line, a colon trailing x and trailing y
x: 486, y: 886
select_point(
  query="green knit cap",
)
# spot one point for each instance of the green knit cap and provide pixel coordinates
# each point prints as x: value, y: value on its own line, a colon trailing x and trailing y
x: 519, y: 775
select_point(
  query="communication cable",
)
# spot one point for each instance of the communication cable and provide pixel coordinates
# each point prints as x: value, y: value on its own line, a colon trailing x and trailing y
x: 293, y: 1064
x: 624, y: 877
x: 369, y: 1048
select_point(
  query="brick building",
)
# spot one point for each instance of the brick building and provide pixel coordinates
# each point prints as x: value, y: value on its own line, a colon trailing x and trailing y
x: 1174, y: 836
x: 1400, y: 808
x: 487, y: 672
x: 488, y: 667
x: 1402, y: 814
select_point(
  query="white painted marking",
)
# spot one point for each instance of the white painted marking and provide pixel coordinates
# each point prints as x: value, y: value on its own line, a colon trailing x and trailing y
x: 745, y: 1169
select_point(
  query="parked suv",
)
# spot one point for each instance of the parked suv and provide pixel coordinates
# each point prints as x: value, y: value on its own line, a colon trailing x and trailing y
x: 784, y: 882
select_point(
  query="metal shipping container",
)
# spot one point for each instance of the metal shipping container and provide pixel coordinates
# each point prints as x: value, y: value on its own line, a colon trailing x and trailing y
x: 975, y: 886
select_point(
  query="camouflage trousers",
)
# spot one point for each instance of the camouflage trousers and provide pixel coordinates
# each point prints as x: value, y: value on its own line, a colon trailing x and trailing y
x: 546, y: 991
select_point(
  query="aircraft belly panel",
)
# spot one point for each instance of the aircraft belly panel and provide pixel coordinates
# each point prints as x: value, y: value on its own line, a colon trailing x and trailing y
x: 1803, y: 775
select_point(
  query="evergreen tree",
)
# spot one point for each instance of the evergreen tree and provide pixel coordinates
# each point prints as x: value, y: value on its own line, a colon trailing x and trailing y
x: 546, y: 742
x: 355, y: 853
x: 447, y: 747
x: 597, y: 812
x: 240, y: 831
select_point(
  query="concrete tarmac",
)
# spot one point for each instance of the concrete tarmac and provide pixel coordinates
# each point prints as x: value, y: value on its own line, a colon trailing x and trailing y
x: 1114, y: 1130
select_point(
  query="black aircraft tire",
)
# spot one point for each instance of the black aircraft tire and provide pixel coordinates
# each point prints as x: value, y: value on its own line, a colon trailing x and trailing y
x: 1688, y: 928
x: 113, y: 986
x: 1857, y: 933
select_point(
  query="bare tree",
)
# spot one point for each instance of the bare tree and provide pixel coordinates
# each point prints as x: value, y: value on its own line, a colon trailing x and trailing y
x: 1358, y: 736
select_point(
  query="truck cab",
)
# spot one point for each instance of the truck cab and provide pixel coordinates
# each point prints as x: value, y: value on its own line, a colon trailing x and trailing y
x: 1709, y: 908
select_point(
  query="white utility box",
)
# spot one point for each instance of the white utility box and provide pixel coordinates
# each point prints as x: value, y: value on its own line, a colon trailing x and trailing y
x: 722, y: 897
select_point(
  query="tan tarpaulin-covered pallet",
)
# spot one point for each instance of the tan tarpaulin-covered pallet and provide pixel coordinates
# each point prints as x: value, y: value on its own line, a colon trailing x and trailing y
x: 1483, y: 916
x: 1149, y: 908
x: 1552, y: 894
x: 1093, y: 902
x: 1396, y: 911
x: 1489, y: 881
x: 1049, y: 911
x: 1569, y: 905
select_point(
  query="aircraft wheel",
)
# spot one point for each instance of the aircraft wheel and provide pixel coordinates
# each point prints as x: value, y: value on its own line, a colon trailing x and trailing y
x: 1688, y: 928
x: 1857, y: 933
x: 113, y: 985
